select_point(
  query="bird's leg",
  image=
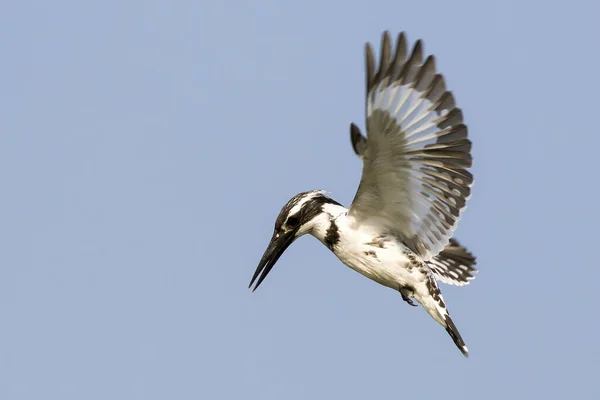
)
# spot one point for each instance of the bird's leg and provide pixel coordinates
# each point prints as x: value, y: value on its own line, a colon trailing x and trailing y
x: 405, y: 292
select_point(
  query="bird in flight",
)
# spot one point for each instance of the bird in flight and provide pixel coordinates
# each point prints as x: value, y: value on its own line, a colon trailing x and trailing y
x: 414, y: 186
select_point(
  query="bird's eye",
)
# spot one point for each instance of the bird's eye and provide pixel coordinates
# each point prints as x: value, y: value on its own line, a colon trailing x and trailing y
x: 292, y: 221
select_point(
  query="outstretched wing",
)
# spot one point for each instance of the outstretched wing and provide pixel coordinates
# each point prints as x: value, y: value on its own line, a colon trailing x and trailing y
x: 454, y: 265
x: 415, y: 179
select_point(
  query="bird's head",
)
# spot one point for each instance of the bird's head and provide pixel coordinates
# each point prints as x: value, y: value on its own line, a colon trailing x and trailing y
x: 298, y: 217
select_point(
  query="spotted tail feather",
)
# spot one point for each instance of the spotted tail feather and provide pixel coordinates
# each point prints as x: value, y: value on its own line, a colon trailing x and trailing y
x: 436, y: 307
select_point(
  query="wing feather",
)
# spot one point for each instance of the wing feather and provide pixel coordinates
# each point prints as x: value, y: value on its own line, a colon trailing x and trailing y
x: 454, y: 265
x: 416, y: 155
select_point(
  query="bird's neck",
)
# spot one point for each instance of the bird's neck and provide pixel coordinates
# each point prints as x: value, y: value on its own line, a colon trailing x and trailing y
x: 325, y: 226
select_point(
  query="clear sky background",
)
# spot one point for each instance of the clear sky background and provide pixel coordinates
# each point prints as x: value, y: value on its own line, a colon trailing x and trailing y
x: 146, y: 149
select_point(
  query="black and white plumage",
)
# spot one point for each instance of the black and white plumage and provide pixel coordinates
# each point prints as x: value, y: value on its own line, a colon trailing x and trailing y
x: 414, y: 187
x: 454, y: 265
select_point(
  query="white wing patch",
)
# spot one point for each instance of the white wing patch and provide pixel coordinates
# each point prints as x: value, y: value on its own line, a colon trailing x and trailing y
x: 415, y: 158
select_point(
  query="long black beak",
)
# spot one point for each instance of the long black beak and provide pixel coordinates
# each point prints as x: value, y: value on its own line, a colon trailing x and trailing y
x: 276, y: 247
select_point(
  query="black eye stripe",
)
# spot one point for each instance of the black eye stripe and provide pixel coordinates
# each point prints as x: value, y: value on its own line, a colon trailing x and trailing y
x: 292, y: 220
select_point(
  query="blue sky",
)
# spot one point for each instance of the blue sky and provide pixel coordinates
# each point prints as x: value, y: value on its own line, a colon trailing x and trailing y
x: 147, y: 147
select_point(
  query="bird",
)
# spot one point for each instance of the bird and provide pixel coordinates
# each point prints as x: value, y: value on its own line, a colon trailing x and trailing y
x: 416, y: 156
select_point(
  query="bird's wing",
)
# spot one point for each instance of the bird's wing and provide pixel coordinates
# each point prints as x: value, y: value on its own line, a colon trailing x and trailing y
x: 454, y: 265
x: 415, y: 181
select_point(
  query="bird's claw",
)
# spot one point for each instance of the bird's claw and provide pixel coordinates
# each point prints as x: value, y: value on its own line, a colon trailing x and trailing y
x: 406, y: 298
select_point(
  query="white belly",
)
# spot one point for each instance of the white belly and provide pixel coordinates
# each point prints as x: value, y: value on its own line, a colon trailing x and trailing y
x: 382, y: 258
x: 385, y: 262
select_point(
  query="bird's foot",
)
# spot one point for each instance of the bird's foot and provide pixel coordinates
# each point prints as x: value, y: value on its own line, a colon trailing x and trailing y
x: 405, y: 293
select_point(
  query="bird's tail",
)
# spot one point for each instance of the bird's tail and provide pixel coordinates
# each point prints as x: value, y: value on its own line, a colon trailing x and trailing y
x: 434, y: 304
x: 455, y: 335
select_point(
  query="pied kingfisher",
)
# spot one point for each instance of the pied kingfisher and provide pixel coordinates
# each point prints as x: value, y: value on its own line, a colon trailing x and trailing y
x: 414, y: 187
